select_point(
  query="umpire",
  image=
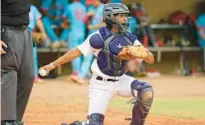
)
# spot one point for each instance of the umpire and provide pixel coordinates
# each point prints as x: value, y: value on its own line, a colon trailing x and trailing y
x: 16, y: 49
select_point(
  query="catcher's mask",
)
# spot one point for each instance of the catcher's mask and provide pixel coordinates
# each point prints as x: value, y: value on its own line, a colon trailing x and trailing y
x: 111, y: 10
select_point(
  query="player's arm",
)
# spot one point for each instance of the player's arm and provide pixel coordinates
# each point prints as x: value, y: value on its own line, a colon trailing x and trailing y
x: 44, y: 9
x: 37, y: 16
x: 67, y: 57
x: 83, y: 48
x: 102, y: 24
x: 41, y: 28
x: 65, y: 18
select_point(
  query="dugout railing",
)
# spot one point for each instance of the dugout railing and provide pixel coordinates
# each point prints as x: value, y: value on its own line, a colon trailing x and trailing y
x: 157, y: 50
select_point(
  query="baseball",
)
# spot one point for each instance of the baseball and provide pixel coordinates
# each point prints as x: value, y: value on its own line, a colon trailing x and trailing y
x: 42, y: 72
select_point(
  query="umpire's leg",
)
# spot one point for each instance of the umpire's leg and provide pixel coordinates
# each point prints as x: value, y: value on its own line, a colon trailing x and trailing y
x: 9, y: 66
x: 8, y: 94
x: 16, y: 65
x: 25, y: 76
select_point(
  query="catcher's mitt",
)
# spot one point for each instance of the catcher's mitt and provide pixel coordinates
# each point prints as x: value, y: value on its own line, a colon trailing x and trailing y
x: 133, y: 52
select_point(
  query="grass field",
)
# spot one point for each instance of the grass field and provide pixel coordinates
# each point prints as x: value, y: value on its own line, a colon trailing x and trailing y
x: 189, y: 107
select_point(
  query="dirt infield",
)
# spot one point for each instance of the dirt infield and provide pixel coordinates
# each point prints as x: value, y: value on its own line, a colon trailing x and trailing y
x: 59, y: 100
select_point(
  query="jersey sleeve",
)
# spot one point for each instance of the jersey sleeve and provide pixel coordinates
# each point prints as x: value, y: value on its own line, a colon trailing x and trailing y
x: 137, y: 43
x: 201, y: 22
x: 85, y: 47
x: 37, y: 14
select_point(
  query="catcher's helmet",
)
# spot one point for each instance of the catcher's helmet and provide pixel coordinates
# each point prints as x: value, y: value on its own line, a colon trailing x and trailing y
x: 112, y: 9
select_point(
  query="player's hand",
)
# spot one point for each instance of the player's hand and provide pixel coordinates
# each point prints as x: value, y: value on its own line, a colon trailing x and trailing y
x: 65, y: 25
x: 47, y: 68
x: 2, y: 44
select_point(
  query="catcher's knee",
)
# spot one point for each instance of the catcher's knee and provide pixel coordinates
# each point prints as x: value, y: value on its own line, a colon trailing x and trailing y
x: 96, y: 119
x: 145, y: 92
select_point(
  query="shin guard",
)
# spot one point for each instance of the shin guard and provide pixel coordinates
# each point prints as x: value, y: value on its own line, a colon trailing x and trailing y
x: 143, y: 102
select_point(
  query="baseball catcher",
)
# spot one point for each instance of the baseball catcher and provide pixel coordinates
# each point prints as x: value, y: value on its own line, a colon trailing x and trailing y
x: 112, y: 46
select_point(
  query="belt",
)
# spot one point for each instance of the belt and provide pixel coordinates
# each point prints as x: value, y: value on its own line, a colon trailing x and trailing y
x: 102, y: 79
x: 22, y: 28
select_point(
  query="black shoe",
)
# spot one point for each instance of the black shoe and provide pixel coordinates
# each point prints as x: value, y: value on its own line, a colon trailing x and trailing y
x: 74, y: 123
x: 11, y: 123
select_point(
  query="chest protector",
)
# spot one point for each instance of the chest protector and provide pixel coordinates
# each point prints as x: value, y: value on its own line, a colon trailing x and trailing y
x: 107, y: 59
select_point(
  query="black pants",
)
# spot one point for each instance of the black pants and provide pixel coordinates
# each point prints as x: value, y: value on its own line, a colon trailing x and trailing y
x: 17, y: 73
